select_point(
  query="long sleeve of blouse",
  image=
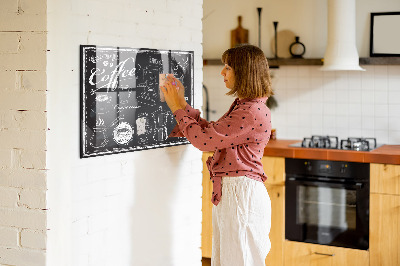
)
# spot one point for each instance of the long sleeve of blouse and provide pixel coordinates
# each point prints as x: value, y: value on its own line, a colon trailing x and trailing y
x: 193, y: 113
x: 238, y: 139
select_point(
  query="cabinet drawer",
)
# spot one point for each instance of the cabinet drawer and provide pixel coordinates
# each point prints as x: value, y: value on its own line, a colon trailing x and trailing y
x: 297, y: 254
x: 385, y: 178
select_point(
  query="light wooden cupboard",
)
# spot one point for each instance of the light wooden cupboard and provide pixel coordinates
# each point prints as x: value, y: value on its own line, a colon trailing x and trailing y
x: 385, y: 215
x: 384, y: 245
x: 304, y: 254
x: 206, y: 226
x: 385, y: 178
x: 274, y: 168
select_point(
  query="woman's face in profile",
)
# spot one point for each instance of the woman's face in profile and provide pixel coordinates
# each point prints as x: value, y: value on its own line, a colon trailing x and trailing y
x: 229, y: 76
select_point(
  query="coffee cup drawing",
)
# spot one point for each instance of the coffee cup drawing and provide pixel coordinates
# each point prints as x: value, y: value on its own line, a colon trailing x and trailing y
x: 161, y: 81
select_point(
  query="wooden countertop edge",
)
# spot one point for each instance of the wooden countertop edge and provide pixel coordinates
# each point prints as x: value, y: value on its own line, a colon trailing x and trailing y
x: 386, y: 154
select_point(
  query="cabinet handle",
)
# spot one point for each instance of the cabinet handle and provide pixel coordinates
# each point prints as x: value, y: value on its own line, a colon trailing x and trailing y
x: 324, y: 254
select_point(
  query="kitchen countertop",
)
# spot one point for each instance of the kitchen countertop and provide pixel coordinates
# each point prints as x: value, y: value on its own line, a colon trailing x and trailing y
x: 389, y: 154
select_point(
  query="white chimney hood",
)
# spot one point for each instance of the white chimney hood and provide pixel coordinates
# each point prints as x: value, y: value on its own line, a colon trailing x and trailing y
x: 341, y: 51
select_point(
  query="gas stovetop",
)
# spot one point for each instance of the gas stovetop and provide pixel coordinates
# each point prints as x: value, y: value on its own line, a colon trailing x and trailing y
x: 332, y: 142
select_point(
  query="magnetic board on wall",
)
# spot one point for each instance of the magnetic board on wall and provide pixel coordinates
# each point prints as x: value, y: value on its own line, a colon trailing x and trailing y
x: 121, y: 106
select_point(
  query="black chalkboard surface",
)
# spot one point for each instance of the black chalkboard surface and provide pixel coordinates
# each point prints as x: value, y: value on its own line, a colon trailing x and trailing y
x: 121, y: 106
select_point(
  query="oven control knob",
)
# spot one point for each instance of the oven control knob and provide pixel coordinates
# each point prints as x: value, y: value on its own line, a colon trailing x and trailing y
x: 343, y: 168
x: 308, y: 166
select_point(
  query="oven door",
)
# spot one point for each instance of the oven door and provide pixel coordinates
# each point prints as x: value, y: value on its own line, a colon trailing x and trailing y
x: 327, y: 213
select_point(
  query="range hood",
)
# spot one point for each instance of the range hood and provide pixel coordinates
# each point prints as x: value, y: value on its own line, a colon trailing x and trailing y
x: 341, y: 51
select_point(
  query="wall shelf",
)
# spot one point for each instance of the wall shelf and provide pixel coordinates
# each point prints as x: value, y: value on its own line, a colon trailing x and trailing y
x: 274, y: 63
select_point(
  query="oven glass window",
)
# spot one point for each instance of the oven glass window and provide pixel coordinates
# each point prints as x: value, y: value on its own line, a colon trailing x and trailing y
x: 326, y: 207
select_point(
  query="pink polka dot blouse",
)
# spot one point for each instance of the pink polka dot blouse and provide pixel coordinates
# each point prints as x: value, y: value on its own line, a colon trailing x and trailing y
x: 238, y: 139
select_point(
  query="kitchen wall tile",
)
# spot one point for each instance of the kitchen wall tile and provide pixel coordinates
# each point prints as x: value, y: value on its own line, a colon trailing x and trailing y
x: 342, y: 109
x: 354, y: 80
x: 329, y: 109
x: 355, y: 122
x: 316, y: 82
x: 394, y: 123
x: 317, y: 131
x: 367, y: 122
x: 394, y: 71
x: 342, y: 122
x: 381, y: 110
x: 328, y: 74
x: 367, y: 110
x: 291, y: 71
x: 317, y: 108
x: 329, y: 93
x: 342, y: 80
x: 355, y: 132
x: 317, y: 120
x: 304, y: 72
x: 367, y: 80
x: 394, y: 97
x: 381, y: 123
x: 355, y: 96
x: 315, y: 72
x: 381, y: 84
x: 380, y: 71
x: 342, y: 133
x: 304, y: 108
x: 342, y: 96
x: 355, y: 109
x: 324, y: 101
x: 381, y: 97
x: 367, y: 133
x: 394, y: 137
x: 394, y: 83
x: 394, y: 110
x: 304, y: 82
x: 381, y: 136
x: 292, y: 83
x: 329, y: 122
x: 367, y: 96
x: 317, y: 95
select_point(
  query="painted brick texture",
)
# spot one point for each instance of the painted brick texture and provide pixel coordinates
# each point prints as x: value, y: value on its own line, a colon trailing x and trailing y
x: 137, y: 208
x: 23, y: 216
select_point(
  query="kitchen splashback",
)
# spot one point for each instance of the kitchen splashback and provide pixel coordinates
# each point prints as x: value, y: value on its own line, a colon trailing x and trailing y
x: 312, y: 102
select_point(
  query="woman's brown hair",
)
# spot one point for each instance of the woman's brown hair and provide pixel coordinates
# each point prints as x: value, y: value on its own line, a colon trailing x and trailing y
x: 250, y: 66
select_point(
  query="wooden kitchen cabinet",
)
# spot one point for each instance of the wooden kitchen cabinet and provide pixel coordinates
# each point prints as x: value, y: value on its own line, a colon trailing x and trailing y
x: 206, y: 225
x: 277, y: 233
x: 305, y: 254
x: 274, y: 168
x: 385, y: 178
x: 384, y: 236
x: 385, y: 215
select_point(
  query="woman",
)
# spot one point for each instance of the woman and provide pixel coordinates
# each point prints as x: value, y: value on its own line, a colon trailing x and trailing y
x: 242, y: 208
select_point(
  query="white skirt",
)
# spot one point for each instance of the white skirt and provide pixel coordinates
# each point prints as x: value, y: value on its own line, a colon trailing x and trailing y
x: 241, y: 223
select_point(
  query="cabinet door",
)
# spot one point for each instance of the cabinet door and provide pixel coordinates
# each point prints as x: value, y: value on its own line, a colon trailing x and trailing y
x: 304, y: 254
x: 206, y: 226
x: 385, y: 178
x: 274, y: 168
x: 277, y: 233
x: 384, y: 230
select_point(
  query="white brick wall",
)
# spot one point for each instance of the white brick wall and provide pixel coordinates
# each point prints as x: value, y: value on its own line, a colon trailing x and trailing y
x: 138, y: 208
x: 22, y: 132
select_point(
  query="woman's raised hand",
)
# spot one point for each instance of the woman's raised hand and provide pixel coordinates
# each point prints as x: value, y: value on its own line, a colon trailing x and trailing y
x: 174, y: 93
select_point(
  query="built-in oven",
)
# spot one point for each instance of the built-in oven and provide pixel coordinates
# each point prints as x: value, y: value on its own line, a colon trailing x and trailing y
x: 327, y: 202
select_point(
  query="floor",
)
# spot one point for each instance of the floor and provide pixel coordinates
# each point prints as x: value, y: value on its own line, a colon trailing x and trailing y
x: 206, y: 261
